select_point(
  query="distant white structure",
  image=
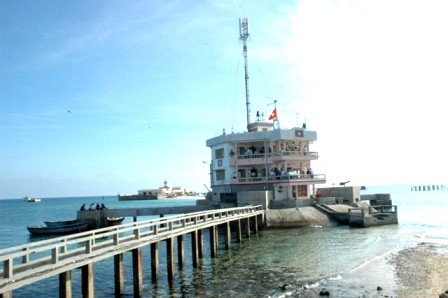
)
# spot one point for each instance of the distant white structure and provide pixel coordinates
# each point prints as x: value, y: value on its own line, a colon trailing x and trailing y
x: 164, y: 191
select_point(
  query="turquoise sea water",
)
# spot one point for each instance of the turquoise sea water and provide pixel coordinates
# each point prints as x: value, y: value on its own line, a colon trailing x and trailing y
x: 311, y: 257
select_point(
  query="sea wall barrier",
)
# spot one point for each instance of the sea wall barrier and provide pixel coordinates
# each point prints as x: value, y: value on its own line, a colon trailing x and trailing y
x: 25, y: 264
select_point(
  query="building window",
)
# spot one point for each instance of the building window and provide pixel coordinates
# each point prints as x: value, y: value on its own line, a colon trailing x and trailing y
x: 220, y: 175
x: 302, y: 190
x: 219, y: 153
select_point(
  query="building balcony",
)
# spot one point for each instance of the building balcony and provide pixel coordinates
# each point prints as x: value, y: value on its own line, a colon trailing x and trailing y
x: 296, y: 179
x: 286, y: 156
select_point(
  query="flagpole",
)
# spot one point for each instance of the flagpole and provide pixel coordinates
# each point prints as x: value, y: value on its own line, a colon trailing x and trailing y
x: 276, y: 122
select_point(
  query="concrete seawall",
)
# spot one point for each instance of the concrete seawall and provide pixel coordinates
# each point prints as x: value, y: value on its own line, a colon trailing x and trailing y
x: 297, y: 217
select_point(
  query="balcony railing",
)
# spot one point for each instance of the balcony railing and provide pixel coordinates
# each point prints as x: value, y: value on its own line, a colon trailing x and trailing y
x: 310, y: 178
x: 259, y: 158
x: 279, y: 154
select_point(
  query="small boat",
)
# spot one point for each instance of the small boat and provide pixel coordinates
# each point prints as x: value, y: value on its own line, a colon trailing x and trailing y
x: 31, y: 200
x: 58, y: 230
x: 114, y: 221
x: 60, y: 223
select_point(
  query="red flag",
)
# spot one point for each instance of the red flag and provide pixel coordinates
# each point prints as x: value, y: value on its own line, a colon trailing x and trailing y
x: 273, y: 114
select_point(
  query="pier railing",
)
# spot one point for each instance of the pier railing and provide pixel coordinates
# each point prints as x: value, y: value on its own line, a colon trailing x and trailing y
x: 28, y: 263
x: 373, y: 216
x: 372, y: 210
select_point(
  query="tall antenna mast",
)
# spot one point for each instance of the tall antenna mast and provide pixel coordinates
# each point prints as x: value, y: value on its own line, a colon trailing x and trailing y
x: 244, y: 34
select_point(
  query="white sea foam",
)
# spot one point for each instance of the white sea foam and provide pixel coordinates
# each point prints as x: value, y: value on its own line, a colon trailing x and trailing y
x: 337, y: 277
x: 378, y: 257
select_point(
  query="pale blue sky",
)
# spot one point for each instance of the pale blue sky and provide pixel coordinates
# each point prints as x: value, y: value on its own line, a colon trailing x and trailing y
x: 101, y: 97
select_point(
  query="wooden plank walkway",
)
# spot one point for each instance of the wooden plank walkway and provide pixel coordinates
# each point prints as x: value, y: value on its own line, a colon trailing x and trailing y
x: 28, y: 263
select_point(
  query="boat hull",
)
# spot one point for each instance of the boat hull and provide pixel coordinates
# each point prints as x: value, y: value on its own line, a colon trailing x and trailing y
x: 114, y: 221
x: 60, y: 223
x: 31, y: 200
x: 58, y: 230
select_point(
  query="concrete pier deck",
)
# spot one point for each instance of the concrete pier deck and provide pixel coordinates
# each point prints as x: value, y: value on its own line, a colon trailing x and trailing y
x: 361, y: 215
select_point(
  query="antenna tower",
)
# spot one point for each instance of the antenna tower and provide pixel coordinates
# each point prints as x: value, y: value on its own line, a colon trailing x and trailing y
x: 244, y: 34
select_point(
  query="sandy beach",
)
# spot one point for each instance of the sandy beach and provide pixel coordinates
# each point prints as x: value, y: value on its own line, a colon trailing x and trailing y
x: 417, y: 272
x: 421, y: 271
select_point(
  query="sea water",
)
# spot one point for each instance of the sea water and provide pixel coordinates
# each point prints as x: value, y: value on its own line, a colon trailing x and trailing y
x: 306, y: 259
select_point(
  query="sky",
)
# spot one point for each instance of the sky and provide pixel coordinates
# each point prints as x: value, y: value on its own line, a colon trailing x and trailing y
x: 108, y: 97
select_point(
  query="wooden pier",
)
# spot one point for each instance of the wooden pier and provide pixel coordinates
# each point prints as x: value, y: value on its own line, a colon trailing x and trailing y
x: 29, y: 263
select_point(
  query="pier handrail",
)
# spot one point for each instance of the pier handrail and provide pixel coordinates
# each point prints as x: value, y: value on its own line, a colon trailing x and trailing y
x: 372, y: 210
x: 38, y: 260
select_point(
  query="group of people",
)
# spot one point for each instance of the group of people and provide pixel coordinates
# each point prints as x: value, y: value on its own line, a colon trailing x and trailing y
x: 276, y: 172
x: 93, y: 207
x: 253, y: 150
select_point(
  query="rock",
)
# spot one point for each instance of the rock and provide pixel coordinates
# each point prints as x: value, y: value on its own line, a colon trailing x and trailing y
x: 444, y: 295
x: 379, y: 288
x: 286, y: 287
x: 324, y: 292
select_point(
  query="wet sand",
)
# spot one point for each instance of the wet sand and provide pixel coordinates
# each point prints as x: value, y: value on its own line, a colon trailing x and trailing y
x: 421, y: 271
x: 417, y: 272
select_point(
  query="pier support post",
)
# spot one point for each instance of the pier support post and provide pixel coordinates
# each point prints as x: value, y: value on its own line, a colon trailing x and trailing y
x: 255, y: 224
x: 213, y: 245
x: 216, y: 237
x: 170, y: 258
x: 227, y: 235
x: 138, y: 271
x: 65, y: 284
x: 154, y: 260
x: 239, y: 237
x: 194, y: 248
x: 119, y: 275
x: 87, y: 280
x: 247, y: 226
x: 180, y: 251
x: 200, y: 244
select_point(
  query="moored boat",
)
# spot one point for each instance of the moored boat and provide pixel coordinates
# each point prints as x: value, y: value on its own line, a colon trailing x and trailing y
x: 58, y: 230
x: 114, y: 221
x: 31, y: 200
x: 51, y: 223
